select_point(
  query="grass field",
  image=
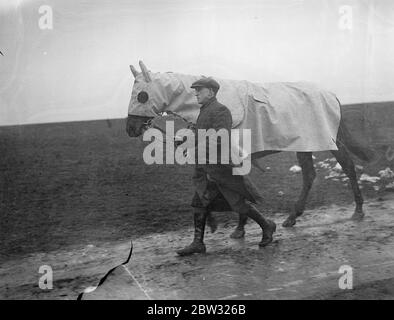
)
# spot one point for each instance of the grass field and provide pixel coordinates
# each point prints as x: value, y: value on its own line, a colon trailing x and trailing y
x: 79, y: 183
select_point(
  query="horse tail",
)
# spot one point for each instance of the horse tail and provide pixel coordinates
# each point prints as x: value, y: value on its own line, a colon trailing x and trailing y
x: 352, y: 144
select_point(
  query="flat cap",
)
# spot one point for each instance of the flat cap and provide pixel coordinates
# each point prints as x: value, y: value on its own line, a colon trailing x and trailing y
x: 206, y: 83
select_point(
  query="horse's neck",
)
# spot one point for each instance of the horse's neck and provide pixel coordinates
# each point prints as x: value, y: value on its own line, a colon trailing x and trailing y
x: 184, y: 103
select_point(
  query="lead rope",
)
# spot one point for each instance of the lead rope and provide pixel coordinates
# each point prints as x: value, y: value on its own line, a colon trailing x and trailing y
x: 190, y: 125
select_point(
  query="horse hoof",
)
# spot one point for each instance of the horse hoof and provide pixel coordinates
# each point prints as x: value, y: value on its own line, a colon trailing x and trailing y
x: 237, y: 234
x: 193, y: 248
x: 289, y: 222
x: 358, y: 215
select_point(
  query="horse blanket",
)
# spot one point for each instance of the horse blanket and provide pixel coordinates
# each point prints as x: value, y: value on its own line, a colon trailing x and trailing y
x: 288, y: 116
x: 291, y: 117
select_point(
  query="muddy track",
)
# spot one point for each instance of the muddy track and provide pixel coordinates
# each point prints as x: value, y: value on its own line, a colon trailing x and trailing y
x: 303, y: 262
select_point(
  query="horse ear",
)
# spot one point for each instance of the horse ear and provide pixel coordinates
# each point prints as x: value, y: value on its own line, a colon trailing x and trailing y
x: 145, y: 72
x: 134, y: 71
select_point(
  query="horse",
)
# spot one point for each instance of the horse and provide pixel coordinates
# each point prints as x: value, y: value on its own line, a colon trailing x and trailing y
x: 155, y: 93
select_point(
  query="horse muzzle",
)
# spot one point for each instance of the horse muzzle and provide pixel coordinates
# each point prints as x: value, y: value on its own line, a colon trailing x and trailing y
x: 136, y: 126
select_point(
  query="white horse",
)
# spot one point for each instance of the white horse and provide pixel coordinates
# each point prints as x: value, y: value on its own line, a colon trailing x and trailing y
x: 273, y: 113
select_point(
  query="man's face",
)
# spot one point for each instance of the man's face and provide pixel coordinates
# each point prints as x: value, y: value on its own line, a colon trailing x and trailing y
x: 203, y: 94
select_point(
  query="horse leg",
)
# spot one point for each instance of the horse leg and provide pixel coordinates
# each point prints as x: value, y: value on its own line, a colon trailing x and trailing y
x: 308, y: 175
x: 347, y: 164
x: 211, y: 221
x: 239, y: 231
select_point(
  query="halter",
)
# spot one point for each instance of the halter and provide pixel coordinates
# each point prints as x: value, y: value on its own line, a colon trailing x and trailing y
x: 163, y: 114
x: 159, y: 122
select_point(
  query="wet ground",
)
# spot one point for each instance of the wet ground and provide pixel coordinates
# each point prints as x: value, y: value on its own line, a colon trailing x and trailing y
x: 73, y: 196
x: 303, y: 262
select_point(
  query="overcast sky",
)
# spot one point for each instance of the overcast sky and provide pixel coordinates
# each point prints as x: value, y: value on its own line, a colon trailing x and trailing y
x: 79, y: 69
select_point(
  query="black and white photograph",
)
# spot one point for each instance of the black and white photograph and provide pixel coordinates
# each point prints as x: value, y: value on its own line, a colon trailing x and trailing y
x: 213, y: 150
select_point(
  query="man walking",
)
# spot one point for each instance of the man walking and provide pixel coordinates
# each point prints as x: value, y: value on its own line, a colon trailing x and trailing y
x: 217, y: 189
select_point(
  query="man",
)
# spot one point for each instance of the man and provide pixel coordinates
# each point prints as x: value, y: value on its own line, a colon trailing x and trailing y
x: 217, y: 189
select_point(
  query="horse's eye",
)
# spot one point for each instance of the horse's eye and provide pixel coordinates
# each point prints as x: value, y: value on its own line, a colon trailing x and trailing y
x: 143, y: 97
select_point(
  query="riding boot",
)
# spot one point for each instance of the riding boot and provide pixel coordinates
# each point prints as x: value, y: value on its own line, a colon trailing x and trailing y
x: 197, y: 246
x: 268, y: 226
x: 239, y: 231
